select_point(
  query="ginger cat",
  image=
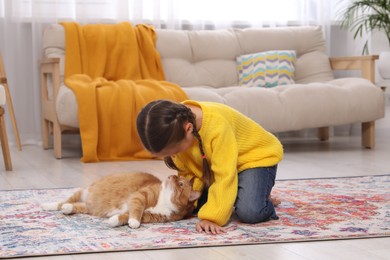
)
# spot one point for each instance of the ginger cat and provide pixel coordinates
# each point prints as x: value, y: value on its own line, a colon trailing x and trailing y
x: 132, y: 198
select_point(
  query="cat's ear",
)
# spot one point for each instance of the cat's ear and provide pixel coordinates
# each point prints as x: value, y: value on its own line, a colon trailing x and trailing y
x: 194, y: 195
x: 192, y: 180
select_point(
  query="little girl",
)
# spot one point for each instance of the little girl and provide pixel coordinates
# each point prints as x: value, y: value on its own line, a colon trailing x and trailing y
x: 232, y: 158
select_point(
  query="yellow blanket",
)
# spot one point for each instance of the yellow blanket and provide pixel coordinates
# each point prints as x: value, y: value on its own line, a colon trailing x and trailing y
x: 114, y: 70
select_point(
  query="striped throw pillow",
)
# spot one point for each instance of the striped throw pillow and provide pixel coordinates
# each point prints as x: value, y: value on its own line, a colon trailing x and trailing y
x: 266, y: 69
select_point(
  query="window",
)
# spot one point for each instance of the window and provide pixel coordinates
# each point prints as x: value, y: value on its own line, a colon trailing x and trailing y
x: 172, y: 13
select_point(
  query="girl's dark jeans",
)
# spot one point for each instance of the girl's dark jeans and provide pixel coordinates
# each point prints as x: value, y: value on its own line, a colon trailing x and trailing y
x: 254, y: 188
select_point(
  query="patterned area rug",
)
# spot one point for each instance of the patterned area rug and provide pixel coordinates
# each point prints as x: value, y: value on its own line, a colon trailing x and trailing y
x: 318, y: 209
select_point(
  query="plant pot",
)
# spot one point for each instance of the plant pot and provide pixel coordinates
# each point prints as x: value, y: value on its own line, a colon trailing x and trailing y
x: 384, y: 65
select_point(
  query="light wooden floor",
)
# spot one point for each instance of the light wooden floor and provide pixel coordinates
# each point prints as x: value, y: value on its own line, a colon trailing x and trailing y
x: 304, y: 158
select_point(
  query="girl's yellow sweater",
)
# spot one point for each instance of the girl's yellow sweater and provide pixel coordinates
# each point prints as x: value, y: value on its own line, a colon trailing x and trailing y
x: 232, y: 143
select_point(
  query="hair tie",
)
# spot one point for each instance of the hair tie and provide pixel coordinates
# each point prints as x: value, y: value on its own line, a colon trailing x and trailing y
x: 204, y: 156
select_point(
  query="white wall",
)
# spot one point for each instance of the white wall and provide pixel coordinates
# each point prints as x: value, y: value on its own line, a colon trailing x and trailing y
x: 379, y: 43
x: 343, y: 44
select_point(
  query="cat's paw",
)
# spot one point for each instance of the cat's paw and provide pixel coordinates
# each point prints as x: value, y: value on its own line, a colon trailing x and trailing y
x: 113, y: 221
x: 50, y: 206
x: 67, y: 208
x: 133, y: 223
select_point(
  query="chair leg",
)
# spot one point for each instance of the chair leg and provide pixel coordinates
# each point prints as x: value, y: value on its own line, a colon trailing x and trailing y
x: 4, y: 82
x: 4, y: 142
x: 13, y: 118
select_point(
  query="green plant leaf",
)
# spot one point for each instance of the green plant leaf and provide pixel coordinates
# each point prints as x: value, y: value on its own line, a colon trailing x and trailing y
x: 365, y: 16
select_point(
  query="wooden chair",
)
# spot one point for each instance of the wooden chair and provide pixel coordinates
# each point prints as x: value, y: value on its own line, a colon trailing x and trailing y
x: 3, y: 133
x: 4, y: 83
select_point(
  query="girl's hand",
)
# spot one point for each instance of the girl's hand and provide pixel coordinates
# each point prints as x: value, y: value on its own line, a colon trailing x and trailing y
x: 209, y: 227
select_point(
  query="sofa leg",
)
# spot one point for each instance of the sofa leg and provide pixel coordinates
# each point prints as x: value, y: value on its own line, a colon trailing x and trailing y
x: 368, y: 134
x: 323, y: 133
x: 57, y: 141
x: 45, y: 134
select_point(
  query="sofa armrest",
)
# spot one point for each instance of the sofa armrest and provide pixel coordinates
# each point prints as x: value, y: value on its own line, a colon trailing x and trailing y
x: 366, y: 65
x: 50, y: 67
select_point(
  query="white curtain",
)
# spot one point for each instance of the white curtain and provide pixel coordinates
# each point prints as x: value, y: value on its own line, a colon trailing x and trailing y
x: 176, y: 14
x: 22, y: 23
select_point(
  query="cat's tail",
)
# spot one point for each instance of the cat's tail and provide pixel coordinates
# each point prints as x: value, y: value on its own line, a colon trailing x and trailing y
x: 50, y: 206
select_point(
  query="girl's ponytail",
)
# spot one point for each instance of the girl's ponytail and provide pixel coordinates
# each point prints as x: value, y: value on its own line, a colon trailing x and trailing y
x: 207, y: 177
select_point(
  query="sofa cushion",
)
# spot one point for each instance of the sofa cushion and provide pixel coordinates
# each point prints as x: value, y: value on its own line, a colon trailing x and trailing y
x: 301, y: 106
x: 199, y: 58
x: 307, y: 41
x: 266, y: 69
x: 312, y: 67
x: 67, y: 107
x: 283, y: 108
x: 196, y: 58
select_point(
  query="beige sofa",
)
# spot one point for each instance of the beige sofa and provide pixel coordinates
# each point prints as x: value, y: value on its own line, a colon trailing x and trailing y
x: 203, y: 63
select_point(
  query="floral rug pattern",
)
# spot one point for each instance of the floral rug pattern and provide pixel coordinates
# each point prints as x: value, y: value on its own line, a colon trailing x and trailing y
x: 316, y: 209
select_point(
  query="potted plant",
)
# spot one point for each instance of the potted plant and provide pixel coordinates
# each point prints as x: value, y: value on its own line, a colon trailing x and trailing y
x: 366, y: 16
